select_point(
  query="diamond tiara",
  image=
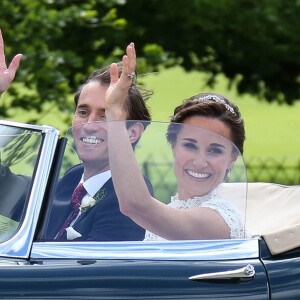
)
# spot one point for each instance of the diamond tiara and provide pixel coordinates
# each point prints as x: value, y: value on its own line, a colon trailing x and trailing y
x: 216, y: 99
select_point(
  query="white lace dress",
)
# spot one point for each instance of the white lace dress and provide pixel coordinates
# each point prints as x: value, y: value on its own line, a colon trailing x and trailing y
x: 226, y: 209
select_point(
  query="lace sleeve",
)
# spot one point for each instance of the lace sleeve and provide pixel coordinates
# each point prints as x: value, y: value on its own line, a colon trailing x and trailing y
x: 231, y: 215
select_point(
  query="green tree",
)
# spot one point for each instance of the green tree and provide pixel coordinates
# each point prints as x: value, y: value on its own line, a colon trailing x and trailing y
x: 256, y: 44
x: 62, y: 42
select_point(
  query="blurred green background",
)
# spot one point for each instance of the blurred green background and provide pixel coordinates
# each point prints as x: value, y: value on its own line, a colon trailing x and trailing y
x: 272, y: 129
x: 184, y: 48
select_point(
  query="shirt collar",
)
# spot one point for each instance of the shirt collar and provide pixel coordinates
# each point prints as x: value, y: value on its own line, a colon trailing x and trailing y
x: 96, y: 182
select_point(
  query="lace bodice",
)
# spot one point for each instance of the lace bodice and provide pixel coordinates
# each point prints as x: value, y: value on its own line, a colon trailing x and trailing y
x: 226, y: 209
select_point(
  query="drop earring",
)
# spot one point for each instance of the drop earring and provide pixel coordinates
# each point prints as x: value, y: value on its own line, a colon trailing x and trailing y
x: 228, y: 173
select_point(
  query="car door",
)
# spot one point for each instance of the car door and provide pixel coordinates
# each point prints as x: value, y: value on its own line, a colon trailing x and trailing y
x: 32, y: 268
x: 137, y: 270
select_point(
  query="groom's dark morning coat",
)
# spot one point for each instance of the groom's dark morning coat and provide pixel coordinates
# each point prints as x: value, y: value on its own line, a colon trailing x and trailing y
x: 102, y: 222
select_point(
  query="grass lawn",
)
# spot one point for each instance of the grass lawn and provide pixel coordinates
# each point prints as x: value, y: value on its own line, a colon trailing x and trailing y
x: 272, y: 130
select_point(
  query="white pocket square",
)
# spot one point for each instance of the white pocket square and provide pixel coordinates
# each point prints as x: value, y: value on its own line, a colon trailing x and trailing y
x: 72, y: 233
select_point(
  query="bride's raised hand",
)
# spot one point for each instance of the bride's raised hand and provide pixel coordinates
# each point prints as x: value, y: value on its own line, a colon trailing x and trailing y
x: 7, y: 74
x: 119, y: 86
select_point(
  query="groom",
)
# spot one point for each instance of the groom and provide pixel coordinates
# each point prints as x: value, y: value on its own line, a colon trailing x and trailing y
x: 103, y: 221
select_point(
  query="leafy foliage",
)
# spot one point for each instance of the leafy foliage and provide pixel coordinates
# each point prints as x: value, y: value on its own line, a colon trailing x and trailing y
x: 62, y: 42
x: 256, y: 44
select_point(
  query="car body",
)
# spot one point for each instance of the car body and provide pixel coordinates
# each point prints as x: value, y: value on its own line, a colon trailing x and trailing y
x: 259, y: 266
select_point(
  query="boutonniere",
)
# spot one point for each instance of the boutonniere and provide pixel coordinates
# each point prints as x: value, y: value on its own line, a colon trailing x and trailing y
x: 88, y: 201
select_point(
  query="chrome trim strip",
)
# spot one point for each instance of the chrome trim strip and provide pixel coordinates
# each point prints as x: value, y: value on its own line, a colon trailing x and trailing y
x: 42, y: 128
x: 20, y: 244
x: 169, y: 250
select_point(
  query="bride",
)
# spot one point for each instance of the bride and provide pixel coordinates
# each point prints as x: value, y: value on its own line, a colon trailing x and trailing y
x: 197, y: 211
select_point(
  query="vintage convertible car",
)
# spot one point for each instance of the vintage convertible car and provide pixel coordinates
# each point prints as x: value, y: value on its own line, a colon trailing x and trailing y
x: 265, y: 264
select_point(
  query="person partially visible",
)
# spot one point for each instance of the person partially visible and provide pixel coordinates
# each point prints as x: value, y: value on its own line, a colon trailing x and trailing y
x: 197, y: 211
x: 8, y: 180
x: 7, y: 74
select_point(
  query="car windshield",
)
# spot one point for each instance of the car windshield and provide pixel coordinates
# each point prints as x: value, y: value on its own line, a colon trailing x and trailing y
x: 155, y: 153
x: 18, y: 154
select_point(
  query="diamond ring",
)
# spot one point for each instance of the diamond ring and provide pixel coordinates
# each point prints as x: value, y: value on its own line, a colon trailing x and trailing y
x: 131, y: 75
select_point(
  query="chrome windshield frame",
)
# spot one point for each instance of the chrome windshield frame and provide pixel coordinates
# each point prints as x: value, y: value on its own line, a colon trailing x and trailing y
x: 19, y: 245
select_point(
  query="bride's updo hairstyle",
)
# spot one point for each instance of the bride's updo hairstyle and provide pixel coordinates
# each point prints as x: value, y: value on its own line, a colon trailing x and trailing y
x: 214, y: 106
